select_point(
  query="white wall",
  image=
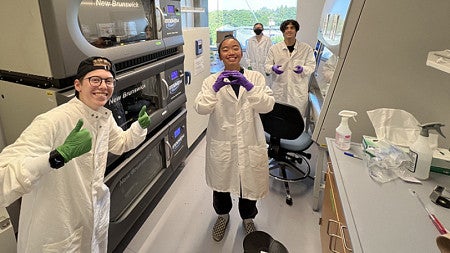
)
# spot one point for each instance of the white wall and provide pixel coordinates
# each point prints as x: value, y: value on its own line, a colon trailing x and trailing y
x: 198, y: 66
x: 308, y: 15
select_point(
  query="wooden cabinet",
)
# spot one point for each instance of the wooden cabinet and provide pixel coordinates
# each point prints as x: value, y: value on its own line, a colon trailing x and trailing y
x: 333, y: 229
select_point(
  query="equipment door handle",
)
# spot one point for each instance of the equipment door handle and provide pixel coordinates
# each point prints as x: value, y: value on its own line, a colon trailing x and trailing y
x: 161, y: 14
x: 187, y: 77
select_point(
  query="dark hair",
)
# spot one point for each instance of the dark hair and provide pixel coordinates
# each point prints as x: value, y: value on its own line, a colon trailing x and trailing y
x: 293, y: 22
x: 258, y: 24
x: 228, y: 37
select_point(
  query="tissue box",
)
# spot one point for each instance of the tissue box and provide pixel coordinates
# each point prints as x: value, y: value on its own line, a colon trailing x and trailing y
x: 369, y: 142
x: 441, y: 161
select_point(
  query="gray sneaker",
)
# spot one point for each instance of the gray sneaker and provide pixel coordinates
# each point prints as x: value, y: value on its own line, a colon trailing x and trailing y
x: 249, y: 226
x: 219, y: 227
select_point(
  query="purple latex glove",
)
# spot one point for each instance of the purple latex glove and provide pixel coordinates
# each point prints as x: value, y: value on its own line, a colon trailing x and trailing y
x: 220, y: 82
x: 276, y: 69
x: 237, y: 77
x: 298, y: 69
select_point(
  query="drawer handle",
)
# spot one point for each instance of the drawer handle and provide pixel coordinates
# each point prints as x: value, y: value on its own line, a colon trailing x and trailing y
x: 330, y: 221
x: 344, y: 239
x: 333, y: 236
x: 331, y: 245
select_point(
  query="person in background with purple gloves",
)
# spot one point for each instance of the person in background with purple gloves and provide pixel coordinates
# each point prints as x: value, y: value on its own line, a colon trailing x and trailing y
x: 57, y: 166
x: 292, y: 62
x: 236, y: 152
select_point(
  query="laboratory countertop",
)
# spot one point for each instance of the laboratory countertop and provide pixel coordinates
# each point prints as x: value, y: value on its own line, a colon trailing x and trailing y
x: 386, y: 217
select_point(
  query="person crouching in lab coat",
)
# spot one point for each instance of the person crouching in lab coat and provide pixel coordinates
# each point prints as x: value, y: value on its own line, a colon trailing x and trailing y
x: 57, y: 166
x: 236, y: 152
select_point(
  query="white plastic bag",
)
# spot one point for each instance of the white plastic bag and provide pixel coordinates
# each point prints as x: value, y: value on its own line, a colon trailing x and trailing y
x: 386, y: 161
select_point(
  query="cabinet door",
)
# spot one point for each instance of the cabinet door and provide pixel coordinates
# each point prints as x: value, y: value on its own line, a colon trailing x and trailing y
x: 333, y: 227
x: 345, y: 238
x: 327, y: 214
x: 330, y: 227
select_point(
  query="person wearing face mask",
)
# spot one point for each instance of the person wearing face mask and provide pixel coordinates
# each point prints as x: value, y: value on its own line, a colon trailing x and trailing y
x: 257, y: 48
x: 236, y: 152
x: 291, y: 63
x: 57, y: 166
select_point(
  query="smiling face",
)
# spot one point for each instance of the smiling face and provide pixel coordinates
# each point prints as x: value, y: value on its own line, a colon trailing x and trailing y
x: 289, y: 32
x: 94, y: 97
x: 230, y: 53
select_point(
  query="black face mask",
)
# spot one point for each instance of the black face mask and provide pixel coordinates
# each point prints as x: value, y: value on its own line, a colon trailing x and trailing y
x: 257, y: 31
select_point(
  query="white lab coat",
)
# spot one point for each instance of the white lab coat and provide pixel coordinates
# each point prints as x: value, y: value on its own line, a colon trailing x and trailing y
x: 256, y: 54
x: 63, y: 210
x: 236, y: 152
x: 289, y: 87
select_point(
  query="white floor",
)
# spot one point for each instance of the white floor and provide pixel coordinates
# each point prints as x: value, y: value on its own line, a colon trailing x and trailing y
x: 183, y: 219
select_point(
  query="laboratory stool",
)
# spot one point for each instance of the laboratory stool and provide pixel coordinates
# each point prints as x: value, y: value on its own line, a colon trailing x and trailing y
x: 287, y: 139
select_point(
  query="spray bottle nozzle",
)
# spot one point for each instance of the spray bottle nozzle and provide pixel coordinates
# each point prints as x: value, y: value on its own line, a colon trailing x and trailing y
x: 429, y: 126
x: 348, y: 114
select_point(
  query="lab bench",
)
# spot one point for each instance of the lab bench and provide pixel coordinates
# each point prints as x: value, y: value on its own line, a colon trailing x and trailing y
x: 361, y: 215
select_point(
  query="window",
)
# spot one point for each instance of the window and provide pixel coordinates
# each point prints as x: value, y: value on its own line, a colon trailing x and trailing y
x: 239, y: 16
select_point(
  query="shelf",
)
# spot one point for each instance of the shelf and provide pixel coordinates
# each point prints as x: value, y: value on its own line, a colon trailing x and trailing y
x: 439, y: 60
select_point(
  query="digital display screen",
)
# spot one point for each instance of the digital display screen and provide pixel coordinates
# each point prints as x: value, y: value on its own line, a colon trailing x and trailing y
x: 177, y: 132
x: 174, y: 75
x: 171, y: 9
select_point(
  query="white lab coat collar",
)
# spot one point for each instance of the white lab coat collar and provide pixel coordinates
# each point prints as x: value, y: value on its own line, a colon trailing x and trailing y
x: 86, y: 110
x: 285, y: 46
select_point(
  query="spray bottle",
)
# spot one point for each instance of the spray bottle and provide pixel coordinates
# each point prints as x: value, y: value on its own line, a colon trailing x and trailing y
x: 420, y: 151
x: 343, y: 134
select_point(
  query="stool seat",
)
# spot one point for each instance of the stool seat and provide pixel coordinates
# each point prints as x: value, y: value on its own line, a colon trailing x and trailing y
x: 301, y: 143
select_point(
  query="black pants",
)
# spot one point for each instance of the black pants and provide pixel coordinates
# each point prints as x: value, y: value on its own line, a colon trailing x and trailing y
x: 222, y: 203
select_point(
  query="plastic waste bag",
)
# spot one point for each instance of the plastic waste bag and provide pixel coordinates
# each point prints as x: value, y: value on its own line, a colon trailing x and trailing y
x: 385, y: 160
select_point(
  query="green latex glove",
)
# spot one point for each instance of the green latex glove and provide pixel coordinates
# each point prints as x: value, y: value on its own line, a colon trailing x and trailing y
x: 144, y: 119
x: 77, y: 143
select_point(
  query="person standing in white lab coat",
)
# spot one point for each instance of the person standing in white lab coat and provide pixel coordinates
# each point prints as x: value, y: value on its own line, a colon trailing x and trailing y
x: 291, y: 63
x: 236, y: 152
x: 57, y: 166
x: 257, y: 48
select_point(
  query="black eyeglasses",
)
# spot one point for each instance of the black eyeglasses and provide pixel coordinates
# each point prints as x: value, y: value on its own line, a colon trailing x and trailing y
x: 96, y: 81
